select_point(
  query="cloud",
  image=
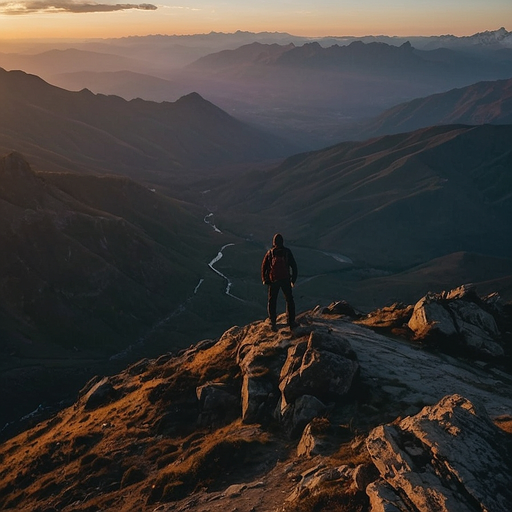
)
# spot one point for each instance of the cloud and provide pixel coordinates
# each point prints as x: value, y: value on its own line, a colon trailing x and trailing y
x: 57, y: 6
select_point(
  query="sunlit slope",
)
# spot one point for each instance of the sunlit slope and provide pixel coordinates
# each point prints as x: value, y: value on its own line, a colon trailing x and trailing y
x: 484, y: 102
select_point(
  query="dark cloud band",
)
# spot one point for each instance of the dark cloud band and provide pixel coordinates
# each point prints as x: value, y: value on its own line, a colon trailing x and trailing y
x: 19, y: 8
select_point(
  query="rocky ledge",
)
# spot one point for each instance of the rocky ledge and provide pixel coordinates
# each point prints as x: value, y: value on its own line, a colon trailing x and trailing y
x: 333, y: 416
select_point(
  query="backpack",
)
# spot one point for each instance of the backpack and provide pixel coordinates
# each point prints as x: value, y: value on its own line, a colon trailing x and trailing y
x: 279, y: 268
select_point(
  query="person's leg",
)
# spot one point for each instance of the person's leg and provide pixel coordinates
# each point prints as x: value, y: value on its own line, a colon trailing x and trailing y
x: 290, y: 303
x: 273, y: 292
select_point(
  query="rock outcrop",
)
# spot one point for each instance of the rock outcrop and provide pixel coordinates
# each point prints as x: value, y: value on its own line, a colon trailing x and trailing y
x: 457, y: 322
x: 457, y: 318
x: 448, y: 457
x: 292, y: 379
x: 331, y: 416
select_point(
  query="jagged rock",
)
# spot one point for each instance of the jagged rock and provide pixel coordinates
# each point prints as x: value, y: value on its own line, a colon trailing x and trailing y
x: 260, y: 360
x: 258, y: 393
x: 313, y: 440
x: 101, y: 393
x: 430, y: 319
x: 217, y: 404
x: 477, y: 328
x: 324, y: 367
x: 294, y: 417
x: 312, y: 480
x: 457, y: 318
x: 341, y: 307
x: 364, y: 475
x: 449, y: 457
x: 383, y: 498
x: 390, y: 317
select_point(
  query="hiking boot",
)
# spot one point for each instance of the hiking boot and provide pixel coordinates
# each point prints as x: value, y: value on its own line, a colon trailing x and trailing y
x: 293, y: 325
x: 274, y: 327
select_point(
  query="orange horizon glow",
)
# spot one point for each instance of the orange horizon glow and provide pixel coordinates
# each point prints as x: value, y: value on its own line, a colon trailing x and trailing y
x: 393, y: 19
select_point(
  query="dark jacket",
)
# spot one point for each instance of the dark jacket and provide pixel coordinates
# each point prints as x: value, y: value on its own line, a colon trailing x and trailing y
x: 267, y: 260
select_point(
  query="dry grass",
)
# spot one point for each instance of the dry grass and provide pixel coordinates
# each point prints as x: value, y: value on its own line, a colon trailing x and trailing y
x: 208, y: 462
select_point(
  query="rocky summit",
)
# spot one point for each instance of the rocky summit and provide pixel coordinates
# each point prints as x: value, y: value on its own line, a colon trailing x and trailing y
x: 400, y: 410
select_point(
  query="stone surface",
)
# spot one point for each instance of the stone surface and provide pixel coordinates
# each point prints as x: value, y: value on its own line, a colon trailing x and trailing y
x: 100, y: 394
x: 457, y: 319
x: 324, y: 368
x: 448, y: 457
x: 217, y: 404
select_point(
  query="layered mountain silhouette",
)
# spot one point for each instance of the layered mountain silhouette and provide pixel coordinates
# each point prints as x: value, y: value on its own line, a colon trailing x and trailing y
x: 480, y: 103
x: 319, y: 90
x: 127, y: 84
x: 309, y: 89
x: 61, y: 130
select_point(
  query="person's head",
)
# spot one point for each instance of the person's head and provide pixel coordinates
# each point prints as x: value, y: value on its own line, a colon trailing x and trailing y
x: 278, y: 240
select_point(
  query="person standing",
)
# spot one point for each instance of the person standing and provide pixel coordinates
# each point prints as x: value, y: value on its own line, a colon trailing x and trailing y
x: 275, y: 273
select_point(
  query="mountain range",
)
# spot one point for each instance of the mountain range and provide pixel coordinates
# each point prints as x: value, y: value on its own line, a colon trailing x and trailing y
x: 61, y: 130
x: 313, y: 92
x: 311, y: 89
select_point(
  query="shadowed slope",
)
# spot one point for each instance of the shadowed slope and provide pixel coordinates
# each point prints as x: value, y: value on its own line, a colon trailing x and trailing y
x: 62, y: 130
x: 394, y: 201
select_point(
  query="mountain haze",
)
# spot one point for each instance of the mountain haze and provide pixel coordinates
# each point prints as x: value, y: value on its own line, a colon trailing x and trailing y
x: 61, y: 130
x: 314, y: 92
x: 481, y: 103
x: 308, y: 89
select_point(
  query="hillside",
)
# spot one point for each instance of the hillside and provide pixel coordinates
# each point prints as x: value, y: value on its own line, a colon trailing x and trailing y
x: 61, y: 130
x: 391, y: 216
x: 93, y: 267
x: 334, y: 416
x: 481, y: 103
x: 414, y: 196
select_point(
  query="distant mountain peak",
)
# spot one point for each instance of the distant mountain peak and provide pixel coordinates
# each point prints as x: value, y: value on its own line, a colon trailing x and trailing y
x: 191, y: 97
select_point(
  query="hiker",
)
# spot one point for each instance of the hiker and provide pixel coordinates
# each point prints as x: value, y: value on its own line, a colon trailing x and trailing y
x: 275, y: 273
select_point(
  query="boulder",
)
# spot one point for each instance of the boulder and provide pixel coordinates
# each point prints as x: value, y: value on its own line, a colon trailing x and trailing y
x: 314, y: 439
x: 324, y: 366
x: 430, y: 319
x: 101, y: 393
x: 390, y: 317
x: 457, y: 319
x: 217, y: 404
x: 259, y: 394
x: 341, y: 307
x: 448, y: 457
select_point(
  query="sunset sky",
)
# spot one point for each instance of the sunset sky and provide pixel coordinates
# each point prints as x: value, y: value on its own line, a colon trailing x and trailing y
x: 103, y: 18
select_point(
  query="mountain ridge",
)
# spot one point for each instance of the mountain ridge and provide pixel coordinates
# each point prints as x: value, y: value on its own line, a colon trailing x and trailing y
x: 480, y: 103
x: 97, y: 133
x: 354, y: 193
